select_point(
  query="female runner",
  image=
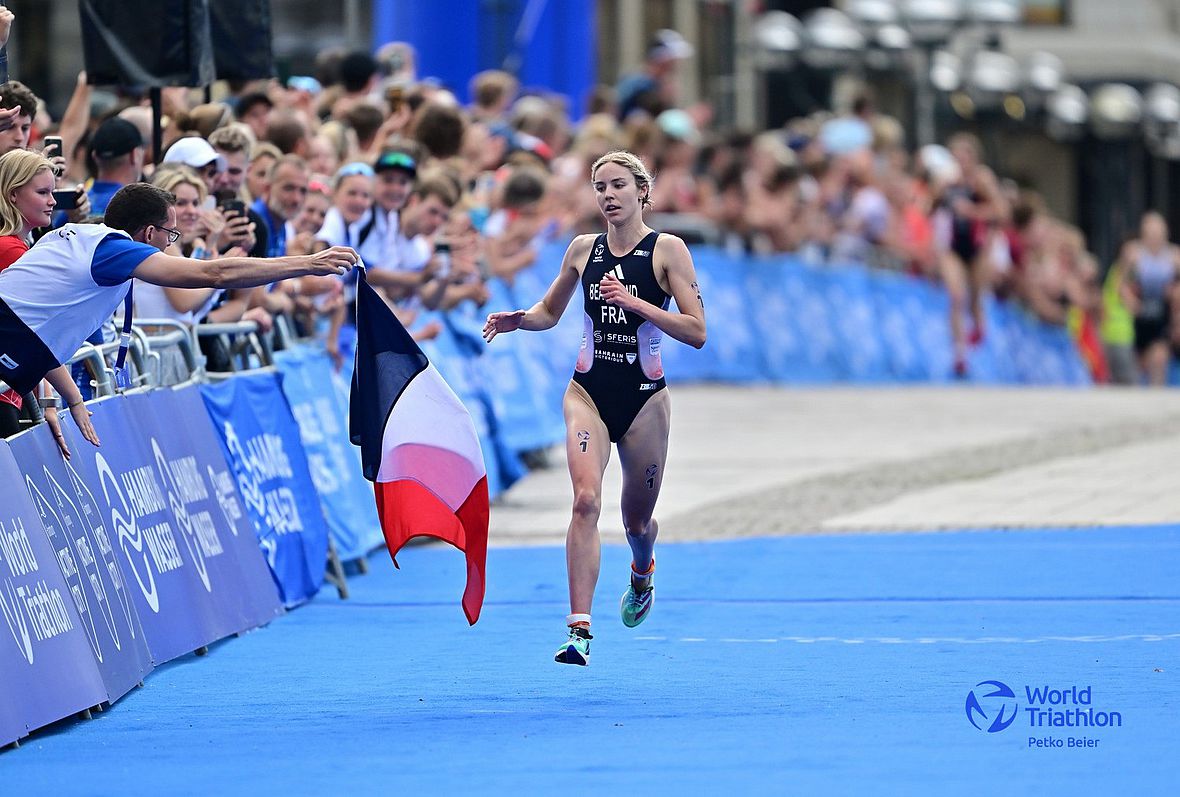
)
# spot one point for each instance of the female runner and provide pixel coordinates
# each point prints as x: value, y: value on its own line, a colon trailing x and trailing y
x: 617, y: 394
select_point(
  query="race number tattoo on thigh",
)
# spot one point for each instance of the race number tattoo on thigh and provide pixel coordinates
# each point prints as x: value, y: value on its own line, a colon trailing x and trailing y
x: 652, y: 470
x: 584, y: 440
x: 697, y: 287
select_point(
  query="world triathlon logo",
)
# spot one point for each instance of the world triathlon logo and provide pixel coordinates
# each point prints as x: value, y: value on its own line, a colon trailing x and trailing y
x: 991, y: 706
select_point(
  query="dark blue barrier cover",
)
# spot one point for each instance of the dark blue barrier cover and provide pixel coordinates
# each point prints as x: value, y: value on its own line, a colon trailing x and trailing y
x: 899, y: 312
x: 849, y: 292
x: 556, y: 348
x: 347, y: 498
x: 47, y: 668
x: 163, y: 568
x: 260, y: 440
x: 209, y: 516
x: 522, y: 382
x: 781, y: 319
x: 92, y: 553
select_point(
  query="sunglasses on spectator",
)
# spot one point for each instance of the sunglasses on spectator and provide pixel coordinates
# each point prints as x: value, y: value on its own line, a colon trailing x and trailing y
x: 397, y: 160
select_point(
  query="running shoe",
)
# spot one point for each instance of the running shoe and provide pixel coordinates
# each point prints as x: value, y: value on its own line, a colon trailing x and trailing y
x: 576, y: 649
x: 636, y: 604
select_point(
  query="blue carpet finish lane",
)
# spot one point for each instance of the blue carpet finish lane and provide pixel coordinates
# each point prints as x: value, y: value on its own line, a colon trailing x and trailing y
x: 770, y: 665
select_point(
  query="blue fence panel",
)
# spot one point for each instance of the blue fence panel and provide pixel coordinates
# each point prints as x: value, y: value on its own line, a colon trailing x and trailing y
x: 780, y: 340
x: 803, y: 287
x: 737, y: 348
x: 47, y: 668
x: 347, y: 499
x: 897, y: 310
x: 207, y: 510
x: 167, y: 574
x: 260, y: 440
x: 547, y: 358
x: 101, y: 556
x: 781, y: 319
x: 934, y: 330
x: 855, y: 323
x: 521, y: 384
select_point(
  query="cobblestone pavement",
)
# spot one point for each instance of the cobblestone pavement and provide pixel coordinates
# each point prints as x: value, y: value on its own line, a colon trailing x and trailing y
x: 761, y: 461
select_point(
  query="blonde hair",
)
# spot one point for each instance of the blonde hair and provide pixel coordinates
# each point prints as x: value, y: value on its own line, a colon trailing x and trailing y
x: 171, y: 177
x: 265, y: 149
x: 631, y: 163
x: 233, y: 138
x: 17, y: 168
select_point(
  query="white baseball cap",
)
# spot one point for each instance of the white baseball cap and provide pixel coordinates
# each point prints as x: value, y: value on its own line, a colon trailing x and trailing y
x: 194, y: 151
x: 668, y: 45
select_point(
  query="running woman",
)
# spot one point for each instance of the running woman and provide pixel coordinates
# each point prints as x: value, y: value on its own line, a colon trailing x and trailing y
x: 617, y: 395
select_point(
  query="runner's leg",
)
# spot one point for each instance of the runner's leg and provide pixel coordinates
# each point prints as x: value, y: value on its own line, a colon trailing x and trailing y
x: 587, y: 448
x: 643, y: 451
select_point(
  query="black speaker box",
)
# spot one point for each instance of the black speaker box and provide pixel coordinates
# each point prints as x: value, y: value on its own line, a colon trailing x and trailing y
x: 147, y: 42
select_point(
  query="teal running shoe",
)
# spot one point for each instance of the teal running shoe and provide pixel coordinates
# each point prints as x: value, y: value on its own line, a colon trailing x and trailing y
x: 576, y: 649
x: 636, y: 604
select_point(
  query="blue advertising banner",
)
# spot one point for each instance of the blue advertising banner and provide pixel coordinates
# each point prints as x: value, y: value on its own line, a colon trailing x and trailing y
x: 781, y: 319
x: 524, y: 387
x: 95, y: 557
x: 260, y: 441
x: 346, y: 497
x: 164, y: 565
x: 47, y: 668
x: 208, y: 512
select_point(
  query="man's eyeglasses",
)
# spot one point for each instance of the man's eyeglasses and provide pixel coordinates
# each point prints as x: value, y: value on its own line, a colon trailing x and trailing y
x: 173, y: 235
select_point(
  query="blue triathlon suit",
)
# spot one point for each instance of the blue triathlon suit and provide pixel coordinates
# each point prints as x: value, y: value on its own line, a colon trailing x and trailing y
x: 619, y: 362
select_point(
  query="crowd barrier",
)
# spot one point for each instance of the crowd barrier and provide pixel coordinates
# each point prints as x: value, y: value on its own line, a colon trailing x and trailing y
x: 212, y: 505
x: 198, y: 518
x: 771, y: 320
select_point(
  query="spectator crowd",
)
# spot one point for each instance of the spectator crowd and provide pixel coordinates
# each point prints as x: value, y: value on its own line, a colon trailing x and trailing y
x: 438, y: 197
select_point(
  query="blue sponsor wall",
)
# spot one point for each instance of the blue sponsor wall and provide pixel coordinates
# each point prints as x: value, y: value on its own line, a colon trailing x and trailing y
x: 93, y: 555
x: 260, y: 440
x: 120, y: 558
x: 320, y: 411
x: 47, y: 666
x: 778, y: 319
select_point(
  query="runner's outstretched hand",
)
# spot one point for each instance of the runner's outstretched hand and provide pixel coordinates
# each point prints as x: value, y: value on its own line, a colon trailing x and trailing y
x: 502, y: 322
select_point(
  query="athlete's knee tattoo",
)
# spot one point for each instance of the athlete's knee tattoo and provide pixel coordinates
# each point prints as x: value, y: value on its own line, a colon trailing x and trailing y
x: 584, y: 440
x: 652, y: 470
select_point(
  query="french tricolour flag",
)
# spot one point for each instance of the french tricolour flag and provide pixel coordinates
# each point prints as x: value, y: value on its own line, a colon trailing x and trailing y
x: 418, y: 445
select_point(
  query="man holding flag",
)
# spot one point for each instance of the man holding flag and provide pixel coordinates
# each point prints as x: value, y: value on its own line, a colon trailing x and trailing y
x: 72, y: 281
